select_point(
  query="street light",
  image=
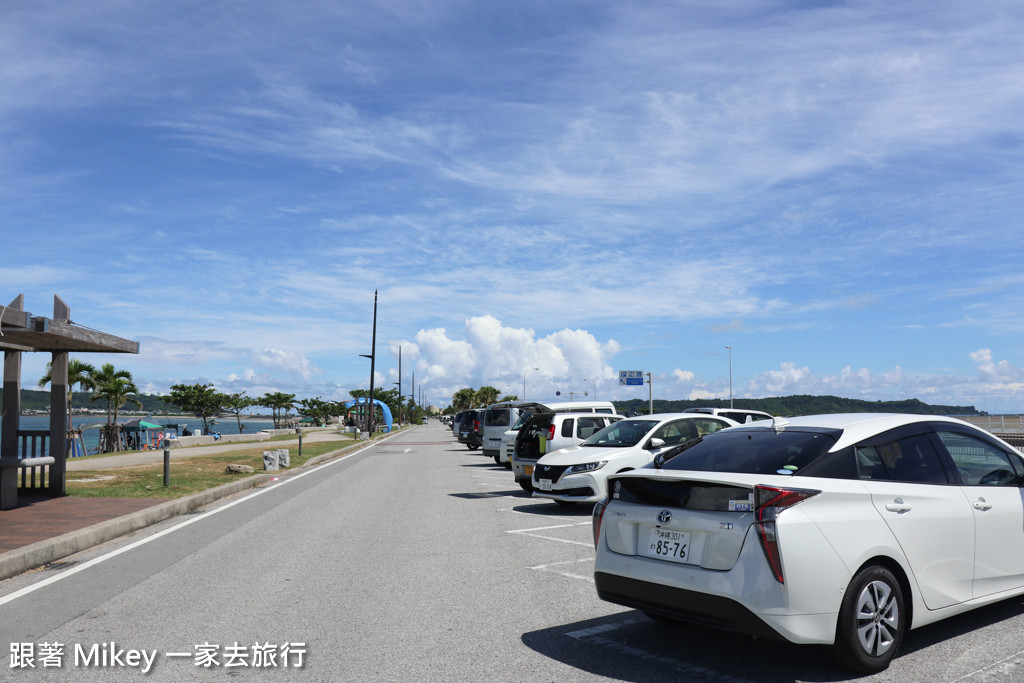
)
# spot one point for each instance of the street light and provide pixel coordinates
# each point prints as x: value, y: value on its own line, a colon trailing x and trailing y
x: 730, y: 375
x: 524, y: 380
x: 588, y: 379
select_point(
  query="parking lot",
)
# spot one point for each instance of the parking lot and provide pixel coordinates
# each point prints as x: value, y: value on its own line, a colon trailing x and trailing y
x: 555, y: 548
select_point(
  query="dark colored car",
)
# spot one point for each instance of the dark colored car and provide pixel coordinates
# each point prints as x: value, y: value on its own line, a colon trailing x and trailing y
x: 469, y: 429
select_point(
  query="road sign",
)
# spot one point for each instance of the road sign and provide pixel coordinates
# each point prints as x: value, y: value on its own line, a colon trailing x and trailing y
x: 631, y: 377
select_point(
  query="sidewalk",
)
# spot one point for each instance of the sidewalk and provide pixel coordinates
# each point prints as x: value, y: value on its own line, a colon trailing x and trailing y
x: 43, y: 530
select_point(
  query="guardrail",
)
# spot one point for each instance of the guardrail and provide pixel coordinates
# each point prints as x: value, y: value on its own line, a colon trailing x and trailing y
x: 997, y: 424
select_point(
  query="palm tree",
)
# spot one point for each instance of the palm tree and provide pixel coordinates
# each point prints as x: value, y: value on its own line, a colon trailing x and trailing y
x: 79, y: 372
x: 116, y: 388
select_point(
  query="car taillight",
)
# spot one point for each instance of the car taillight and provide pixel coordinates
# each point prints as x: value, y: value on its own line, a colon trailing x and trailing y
x: 551, y: 432
x: 596, y: 517
x: 476, y: 425
x: 769, y: 503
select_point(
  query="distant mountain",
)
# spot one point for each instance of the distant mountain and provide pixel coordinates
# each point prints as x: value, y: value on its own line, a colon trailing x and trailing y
x: 787, y: 406
x: 40, y: 400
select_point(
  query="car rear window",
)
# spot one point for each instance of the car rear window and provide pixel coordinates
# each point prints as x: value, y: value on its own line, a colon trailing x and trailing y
x: 497, y: 418
x: 751, y: 451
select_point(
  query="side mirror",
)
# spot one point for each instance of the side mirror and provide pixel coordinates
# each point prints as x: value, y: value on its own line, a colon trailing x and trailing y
x: 654, y: 444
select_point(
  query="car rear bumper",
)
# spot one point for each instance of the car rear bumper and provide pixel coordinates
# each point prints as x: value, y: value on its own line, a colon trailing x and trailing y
x: 685, y: 605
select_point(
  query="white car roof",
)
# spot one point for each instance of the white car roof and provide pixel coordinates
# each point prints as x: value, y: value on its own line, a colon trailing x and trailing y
x: 855, y: 426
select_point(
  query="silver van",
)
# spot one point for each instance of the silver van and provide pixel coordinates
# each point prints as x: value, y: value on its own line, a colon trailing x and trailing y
x: 495, y: 420
x: 545, y: 428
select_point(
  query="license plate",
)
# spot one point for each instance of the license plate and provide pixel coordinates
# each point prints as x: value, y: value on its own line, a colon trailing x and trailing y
x: 465, y: 435
x: 666, y: 544
x: 495, y: 443
x: 544, y: 484
x: 528, y: 470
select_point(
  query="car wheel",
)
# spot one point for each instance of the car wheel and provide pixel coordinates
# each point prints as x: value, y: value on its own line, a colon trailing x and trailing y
x: 527, y: 485
x: 472, y: 447
x: 508, y: 465
x: 872, y: 621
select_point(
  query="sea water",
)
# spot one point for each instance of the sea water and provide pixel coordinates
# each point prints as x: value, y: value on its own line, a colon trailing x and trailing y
x: 91, y: 434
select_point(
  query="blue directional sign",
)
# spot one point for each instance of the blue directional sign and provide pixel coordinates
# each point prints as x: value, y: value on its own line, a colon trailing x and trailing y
x: 631, y: 377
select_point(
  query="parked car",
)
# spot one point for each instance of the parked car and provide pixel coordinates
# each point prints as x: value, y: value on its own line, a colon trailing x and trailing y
x: 740, y: 415
x: 469, y: 429
x: 550, y: 426
x: 495, y: 421
x: 578, y: 474
x: 842, y: 530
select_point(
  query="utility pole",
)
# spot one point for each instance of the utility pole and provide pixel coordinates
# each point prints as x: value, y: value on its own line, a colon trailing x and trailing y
x: 399, y: 383
x: 373, y: 359
x: 650, y: 394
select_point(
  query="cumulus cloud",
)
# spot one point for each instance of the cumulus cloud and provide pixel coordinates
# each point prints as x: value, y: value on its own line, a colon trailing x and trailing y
x: 490, y: 352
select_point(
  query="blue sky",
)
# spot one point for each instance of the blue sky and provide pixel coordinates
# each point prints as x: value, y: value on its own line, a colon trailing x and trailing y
x: 832, y: 189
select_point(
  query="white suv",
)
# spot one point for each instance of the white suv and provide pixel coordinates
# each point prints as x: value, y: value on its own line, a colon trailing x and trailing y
x: 740, y: 415
x: 579, y: 474
x: 548, y: 427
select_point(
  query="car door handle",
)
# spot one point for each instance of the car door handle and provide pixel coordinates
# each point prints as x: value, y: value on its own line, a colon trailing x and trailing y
x: 982, y: 504
x: 897, y: 505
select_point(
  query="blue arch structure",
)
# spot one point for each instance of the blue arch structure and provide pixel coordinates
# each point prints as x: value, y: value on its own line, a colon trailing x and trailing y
x: 384, y: 406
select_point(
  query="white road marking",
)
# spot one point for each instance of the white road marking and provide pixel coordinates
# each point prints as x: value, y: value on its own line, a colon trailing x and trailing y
x: 549, y: 568
x: 1003, y: 670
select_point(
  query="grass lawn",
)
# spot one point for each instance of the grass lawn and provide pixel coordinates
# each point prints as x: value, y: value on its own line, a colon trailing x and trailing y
x: 188, y: 475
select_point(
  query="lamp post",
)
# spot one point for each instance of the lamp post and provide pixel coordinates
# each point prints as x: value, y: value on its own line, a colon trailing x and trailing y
x: 524, y: 380
x: 373, y: 360
x: 399, y: 383
x: 588, y: 379
x: 730, y: 375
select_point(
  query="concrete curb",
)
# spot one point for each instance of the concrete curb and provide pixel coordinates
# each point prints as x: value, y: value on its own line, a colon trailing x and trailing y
x: 21, y: 560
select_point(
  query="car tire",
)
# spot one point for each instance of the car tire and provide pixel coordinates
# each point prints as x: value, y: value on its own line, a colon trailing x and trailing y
x: 508, y: 465
x: 527, y: 485
x: 872, y: 621
x: 472, y: 447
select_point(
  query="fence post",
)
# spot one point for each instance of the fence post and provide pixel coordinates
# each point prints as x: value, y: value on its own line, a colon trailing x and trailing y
x: 167, y: 465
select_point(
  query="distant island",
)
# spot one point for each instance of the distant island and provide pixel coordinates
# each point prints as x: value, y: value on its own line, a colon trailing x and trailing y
x: 39, y: 401
x: 786, y: 406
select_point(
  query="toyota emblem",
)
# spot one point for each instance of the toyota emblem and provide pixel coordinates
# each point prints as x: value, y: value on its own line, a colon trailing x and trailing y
x: 664, y: 517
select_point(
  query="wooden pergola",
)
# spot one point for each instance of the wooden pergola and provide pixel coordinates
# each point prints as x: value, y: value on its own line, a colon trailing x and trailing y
x: 21, y: 331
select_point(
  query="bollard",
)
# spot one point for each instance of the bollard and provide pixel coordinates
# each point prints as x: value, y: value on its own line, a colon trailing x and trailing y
x: 300, y: 444
x: 167, y: 465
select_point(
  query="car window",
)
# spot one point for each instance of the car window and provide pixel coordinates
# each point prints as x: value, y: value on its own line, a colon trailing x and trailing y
x: 567, y: 426
x: 586, y: 427
x: 497, y: 418
x: 707, y: 425
x: 752, y: 451
x: 674, y: 432
x: 621, y: 434
x: 980, y: 463
x: 910, y: 459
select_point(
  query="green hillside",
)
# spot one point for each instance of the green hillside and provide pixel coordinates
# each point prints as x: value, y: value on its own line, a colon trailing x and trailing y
x: 786, y: 406
x: 40, y: 400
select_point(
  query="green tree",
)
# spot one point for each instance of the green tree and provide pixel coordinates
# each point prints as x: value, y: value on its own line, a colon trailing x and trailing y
x: 319, y: 410
x: 279, y: 403
x: 235, y: 404
x: 79, y: 373
x: 117, y: 388
x: 202, y: 400
x: 486, y: 396
x: 464, y: 399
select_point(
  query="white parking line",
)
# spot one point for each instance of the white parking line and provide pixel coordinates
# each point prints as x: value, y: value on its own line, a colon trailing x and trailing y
x: 1000, y: 671
x: 691, y: 671
x: 548, y: 568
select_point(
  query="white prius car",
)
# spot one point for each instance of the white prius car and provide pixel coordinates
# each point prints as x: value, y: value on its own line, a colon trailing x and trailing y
x: 577, y: 474
x: 844, y: 530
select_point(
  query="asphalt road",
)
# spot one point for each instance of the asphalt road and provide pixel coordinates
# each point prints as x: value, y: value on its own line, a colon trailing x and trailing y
x: 413, y: 560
